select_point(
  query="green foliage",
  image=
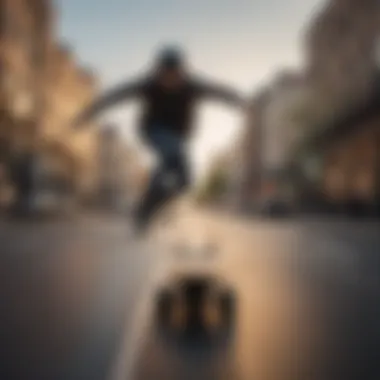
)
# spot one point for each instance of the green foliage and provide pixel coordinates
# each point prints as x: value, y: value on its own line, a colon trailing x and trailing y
x: 214, y: 186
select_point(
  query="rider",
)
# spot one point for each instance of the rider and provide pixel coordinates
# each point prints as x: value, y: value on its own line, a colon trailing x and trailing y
x: 169, y: 95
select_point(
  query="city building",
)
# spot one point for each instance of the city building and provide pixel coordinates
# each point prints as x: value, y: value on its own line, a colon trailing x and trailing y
x: 122, y: 175
x: 26, y: 28
x: 346, y: 159
x: 280, y: 129
x: 267, y: 142
x: 69, y: 89
x: 339, y: 163
x: 341, y: 46
x: 41, y: 89
x: 24, y: 35
x: 247, y: 168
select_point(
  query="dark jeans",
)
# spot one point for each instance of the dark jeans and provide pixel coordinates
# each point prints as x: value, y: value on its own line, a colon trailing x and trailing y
x: 171, y: 176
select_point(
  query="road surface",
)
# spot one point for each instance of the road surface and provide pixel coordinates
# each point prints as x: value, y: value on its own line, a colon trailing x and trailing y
x: 77, y: 300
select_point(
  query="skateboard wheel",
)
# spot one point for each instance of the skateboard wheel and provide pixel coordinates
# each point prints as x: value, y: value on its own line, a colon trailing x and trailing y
x: 165, y: 302
x: 212, y: 315
x: 178, y: 315
x: 171, y: 312
x: 227, y: 307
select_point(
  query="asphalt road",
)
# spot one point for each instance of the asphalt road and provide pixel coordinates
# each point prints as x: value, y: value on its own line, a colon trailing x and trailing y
x: 77, y: 300
x: 67, y: 292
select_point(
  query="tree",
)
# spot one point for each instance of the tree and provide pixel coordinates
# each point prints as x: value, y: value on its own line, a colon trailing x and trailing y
x: 215, y: 184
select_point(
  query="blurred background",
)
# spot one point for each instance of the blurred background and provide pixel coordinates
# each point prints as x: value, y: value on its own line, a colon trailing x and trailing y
x: 294, y: 183
x: 310, y: 141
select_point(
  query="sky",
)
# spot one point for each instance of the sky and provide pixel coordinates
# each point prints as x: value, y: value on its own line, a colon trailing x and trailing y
x: 241, y: 43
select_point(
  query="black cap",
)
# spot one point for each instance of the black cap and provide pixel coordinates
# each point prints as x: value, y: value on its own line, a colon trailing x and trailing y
x: 170, y: 58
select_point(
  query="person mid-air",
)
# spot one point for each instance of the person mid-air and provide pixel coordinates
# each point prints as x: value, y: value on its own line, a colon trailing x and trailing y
x: 169, y: 95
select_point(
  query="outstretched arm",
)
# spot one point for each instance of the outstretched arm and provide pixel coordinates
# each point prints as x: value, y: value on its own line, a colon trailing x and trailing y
x: 219, y: 92
x: 112, y: 98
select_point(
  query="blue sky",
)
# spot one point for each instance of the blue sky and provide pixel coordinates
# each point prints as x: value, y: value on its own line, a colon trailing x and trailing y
x: 238, y: 42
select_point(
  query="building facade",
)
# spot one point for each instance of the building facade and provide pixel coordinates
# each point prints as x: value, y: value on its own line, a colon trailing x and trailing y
x: 249, y: 153
x: 267, y: 141
x: 25, y: 30
x: 122, y: 176
x: 340, y: 162
x: 342, y: 51
x: 70, y: 89
x: 41, y: 89
x: 280, y: 129
x: 24, y: 35
x: 348, y: 152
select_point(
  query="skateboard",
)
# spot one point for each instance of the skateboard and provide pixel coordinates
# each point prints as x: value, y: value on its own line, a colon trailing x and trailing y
x: 194, y: 302
x: 193, y: 296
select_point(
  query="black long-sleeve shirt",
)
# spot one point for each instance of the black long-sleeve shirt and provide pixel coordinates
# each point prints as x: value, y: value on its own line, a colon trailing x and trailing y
x: 171, y: 109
